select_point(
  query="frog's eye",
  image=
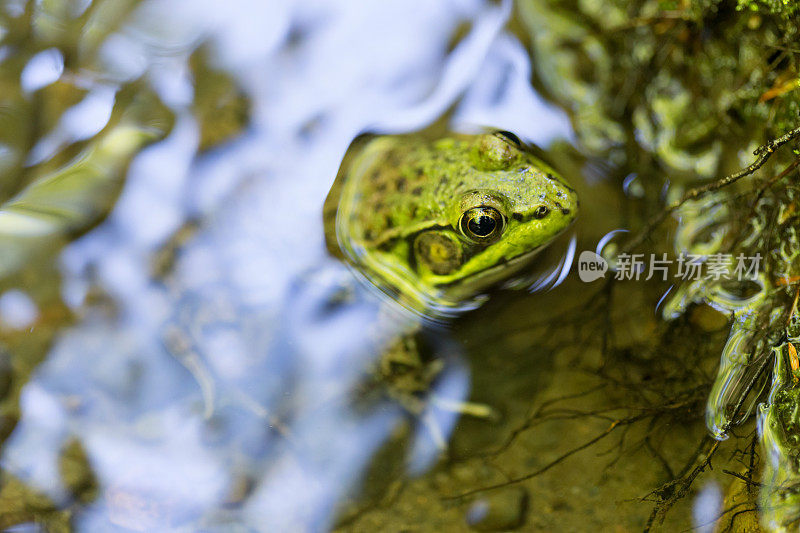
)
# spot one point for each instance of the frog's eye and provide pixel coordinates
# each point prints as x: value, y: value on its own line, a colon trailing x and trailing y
x: 482, y: 225
x: 510, y: 137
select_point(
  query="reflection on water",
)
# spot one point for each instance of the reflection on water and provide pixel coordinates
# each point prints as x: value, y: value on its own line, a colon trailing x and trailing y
x: 178, y: 350
x: 198, y: 348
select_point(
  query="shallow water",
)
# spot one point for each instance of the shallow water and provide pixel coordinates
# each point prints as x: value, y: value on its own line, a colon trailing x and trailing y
x: 179, y: 363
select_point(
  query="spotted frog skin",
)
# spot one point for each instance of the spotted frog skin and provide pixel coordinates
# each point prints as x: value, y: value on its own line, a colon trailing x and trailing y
x: 432, y: 223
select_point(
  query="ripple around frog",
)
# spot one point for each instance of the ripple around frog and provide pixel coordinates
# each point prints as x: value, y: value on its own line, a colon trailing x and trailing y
x: 422, y: 188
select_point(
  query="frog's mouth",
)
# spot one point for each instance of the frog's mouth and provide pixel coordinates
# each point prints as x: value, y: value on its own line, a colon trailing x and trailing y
x: 488, y: 277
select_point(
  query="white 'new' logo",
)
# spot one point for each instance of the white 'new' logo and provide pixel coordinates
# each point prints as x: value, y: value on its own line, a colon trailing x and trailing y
x: 591, y: 266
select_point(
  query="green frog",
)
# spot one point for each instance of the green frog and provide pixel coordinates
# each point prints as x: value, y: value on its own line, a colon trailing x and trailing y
x: 432, y: 224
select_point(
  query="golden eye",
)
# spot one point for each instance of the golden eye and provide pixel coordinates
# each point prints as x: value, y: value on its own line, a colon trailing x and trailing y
x: 482, y: 225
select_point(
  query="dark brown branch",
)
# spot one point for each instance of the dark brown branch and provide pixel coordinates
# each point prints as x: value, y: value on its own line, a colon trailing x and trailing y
x: 746, y: 479
x: 674, y: 490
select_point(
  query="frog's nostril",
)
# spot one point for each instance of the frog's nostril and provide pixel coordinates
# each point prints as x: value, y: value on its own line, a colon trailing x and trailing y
x: 541, y: 212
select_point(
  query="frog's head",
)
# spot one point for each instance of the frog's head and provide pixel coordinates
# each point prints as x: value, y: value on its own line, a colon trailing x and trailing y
x: 510, y: 207
x: 481, y: 207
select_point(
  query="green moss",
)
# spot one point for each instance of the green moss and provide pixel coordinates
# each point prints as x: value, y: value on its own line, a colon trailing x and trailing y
x: 783, y: 8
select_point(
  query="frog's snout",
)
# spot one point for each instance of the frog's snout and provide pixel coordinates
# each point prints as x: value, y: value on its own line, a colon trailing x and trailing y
x: 566, y: 201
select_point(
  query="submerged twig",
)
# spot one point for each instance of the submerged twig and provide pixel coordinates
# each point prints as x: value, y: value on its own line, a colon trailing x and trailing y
x: 674, y: 490
x: 551, y: 464
x: 762, y: 153
x: 620, y: 422
x: 744, y: 478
